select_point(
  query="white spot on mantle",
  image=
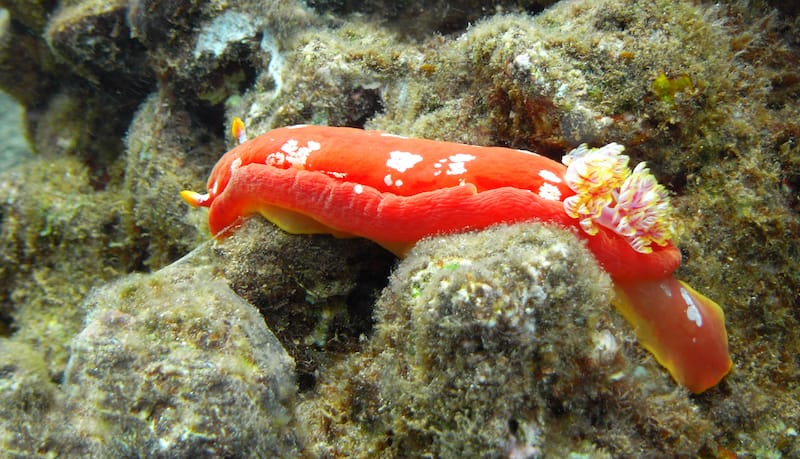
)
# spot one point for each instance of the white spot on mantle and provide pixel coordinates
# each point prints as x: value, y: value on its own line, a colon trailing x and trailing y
x: 550, y: 176
x: 235, y: 164
x: 461, y: 158
x: 358, y: 188
x: 297, y: 154
x: 550, y: 192
x: 402, y: 161
x: 458, y: 162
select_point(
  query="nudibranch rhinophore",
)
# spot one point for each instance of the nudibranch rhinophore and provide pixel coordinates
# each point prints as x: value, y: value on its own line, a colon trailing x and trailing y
x: 396, y: 190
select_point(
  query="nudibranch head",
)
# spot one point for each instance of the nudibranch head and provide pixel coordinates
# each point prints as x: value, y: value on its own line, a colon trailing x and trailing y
x: 607, y: 193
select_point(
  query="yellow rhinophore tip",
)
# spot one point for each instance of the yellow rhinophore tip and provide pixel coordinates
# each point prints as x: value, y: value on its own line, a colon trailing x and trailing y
x: 238, y: 130
x: 194, y: 199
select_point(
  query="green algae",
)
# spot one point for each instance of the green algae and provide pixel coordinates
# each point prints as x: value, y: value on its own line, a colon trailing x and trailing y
x: 162, y: 147
x: 56, y: 237
x: 665, y: 87
x: 30, y: 402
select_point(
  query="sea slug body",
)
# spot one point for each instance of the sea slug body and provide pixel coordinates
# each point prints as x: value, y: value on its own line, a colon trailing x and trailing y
x: 396, y: 191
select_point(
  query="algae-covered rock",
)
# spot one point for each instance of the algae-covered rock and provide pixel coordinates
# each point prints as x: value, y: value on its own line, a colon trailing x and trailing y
x: 174, y: 364
x: 24, y: 58
x: 420, y: 18
x: 316, y: 292
x: 95, y: 40
x: 205, y: 52
x: 166, y: 148
x: 88, y: 125
x: 31, y: 405
x: 80, y: 79
x: 501, y: 343
x: 578, y: 72
x: 327, y: 78
x: 31, y: 13
x: 705, y: 92
x: 58, y: 239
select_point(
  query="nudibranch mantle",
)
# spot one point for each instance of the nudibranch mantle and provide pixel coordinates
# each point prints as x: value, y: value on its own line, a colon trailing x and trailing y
x: 396, y: 190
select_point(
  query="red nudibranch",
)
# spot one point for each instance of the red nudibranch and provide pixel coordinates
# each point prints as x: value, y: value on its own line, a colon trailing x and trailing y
x: 396, y: 191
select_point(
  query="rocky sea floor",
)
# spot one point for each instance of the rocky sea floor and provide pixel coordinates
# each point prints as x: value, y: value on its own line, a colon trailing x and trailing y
x: 126, y: 330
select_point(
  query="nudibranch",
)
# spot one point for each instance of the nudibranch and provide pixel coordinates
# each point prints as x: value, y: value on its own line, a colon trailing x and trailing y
x: 396, y: 190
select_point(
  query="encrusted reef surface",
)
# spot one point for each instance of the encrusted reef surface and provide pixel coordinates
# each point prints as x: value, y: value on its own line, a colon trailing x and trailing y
x: 493, y: 344
x: 500, y: 343
x: 153, y: 373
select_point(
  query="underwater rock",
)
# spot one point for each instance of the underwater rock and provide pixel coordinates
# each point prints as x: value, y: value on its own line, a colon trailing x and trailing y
x: 315, y: 292
x: 58, y: 239
x: 32, y: 14
x: 95, y: 40
x: 174, y: 364
x: 489, y: 343
x: 205, y: 52
x: 31, y: 405
x: 26, y: 66
x: 420, y: 18
x: 85, y: 124
x: 165, y: 146
x: 326, y: 77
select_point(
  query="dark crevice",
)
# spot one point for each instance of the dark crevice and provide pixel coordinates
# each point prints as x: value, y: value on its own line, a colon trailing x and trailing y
x: 362, y: 105
x: 6, y: 324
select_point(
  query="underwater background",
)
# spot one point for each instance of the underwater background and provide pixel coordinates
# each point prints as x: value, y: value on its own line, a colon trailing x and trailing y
x: 127, y: 331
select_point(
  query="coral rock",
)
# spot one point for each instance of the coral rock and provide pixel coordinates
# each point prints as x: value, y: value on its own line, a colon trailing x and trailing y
x: 175, y: 364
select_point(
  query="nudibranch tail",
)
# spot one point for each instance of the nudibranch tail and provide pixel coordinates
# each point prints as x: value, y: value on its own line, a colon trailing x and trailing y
x: 682, y: 328
x: 608, y: 194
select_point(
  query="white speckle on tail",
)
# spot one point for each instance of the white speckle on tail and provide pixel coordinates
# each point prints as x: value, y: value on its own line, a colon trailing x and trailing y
x: 692, y: 312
